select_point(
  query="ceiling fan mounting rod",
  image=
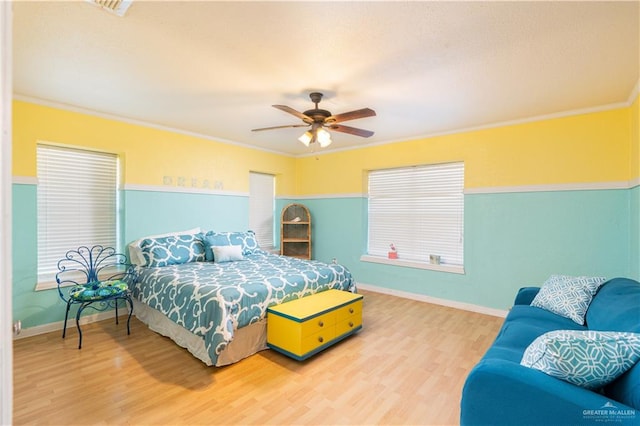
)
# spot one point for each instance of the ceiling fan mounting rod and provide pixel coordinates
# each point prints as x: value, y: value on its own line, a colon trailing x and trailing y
x: 316, y: 97
x: 317, y: 115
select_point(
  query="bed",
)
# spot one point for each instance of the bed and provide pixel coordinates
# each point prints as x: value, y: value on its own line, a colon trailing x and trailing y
x: 209, y: 292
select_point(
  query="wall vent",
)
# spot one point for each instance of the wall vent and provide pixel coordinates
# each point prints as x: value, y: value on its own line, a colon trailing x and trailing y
x: 118, y: 7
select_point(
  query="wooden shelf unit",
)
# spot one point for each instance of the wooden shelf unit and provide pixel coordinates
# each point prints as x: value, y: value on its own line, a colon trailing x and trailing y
x: 295, y: 231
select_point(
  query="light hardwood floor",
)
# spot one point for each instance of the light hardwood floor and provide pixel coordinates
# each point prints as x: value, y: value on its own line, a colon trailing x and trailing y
x: 407, y: 366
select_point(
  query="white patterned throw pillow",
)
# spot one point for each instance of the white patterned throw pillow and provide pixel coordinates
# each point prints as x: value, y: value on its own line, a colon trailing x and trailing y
x: 568, y: 296
x: 590, y: 359
x: 227, y: 253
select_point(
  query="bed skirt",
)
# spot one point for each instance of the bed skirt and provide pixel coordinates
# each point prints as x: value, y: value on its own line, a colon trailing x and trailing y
x: 246, y: 341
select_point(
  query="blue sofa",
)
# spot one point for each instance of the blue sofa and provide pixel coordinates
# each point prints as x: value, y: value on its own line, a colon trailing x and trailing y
x: 500, y: 391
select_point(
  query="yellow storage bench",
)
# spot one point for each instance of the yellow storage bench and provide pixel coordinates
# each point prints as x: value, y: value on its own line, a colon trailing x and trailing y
x: 303, y: 327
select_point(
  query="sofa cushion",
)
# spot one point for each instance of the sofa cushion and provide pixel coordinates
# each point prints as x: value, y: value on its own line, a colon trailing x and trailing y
x: 568, y: 296
x: 526, y: 295
x: 626, y: 388
x: 522, y: 326
x: 587, y: 358
x: 615, y: 307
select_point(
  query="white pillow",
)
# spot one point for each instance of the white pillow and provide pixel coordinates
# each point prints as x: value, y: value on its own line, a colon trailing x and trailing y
x: 135, y: 252
x: 226, y: 253
x: 568, y: 296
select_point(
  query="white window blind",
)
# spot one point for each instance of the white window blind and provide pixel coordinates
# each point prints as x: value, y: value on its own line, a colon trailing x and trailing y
x: 261, y: 207
x: 418, y: 209
x: 77, y: 203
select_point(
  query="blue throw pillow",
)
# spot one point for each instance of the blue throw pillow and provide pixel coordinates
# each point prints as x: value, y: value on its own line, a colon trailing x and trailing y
x: 590, y: 359
x: 247, y: 240
x: 568, y: 296
x: 173, y: 250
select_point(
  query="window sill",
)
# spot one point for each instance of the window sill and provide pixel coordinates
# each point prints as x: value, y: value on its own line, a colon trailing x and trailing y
x: 454, y: 269
x: 47, y: 285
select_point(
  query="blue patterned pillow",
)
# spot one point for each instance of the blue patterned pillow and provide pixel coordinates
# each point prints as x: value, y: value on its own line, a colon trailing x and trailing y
x: 590, y: 359
x: 245, y: 239
x: 568, y: 296
x: 135, y: 252
x: 172, y: 250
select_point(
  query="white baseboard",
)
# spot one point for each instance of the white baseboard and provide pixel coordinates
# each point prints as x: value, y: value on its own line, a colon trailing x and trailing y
x: 71, y: 323
x: 436, y: 301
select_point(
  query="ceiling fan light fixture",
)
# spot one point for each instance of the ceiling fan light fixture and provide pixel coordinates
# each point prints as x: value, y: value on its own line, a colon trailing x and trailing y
x: 306, y: 138
x: 318, y: 118
x: 323, y: 137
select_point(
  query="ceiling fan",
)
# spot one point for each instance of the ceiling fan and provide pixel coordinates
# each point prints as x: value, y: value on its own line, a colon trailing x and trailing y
x: 321, y: 119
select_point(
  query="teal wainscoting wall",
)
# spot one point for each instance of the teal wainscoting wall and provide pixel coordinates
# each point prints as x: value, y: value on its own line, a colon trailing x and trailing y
x: 338, y: 228
x: 29, y: 306
x: 511, y: 240
x: 143, y: 213
x: 156, y: 212
x: 634, y: 251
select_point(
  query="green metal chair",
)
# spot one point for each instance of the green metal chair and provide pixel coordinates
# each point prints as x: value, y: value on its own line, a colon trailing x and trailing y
x: 96, y: 278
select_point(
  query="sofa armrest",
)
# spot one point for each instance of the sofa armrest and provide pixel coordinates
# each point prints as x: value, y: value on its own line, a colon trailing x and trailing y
x: 500, y: 392
x: 526, y: 295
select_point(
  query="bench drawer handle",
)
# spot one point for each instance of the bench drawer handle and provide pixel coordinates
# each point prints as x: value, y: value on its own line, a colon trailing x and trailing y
x: 350, y: 324
x: 320, y: 324
x: 350, y: 310
x: 320, y: 339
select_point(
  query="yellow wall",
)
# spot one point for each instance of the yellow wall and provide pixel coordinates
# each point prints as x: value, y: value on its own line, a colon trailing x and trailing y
x: 148, y: 154
x: 587, y: 148
x: 634, y: 156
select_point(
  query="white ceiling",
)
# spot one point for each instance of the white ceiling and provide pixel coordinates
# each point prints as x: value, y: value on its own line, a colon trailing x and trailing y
x: 215, y: 68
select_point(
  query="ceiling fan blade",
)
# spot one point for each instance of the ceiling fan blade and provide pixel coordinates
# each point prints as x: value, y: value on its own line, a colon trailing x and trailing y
x: 351, y: 115
x: 279, y: 127
x: 351, y: 130
x: 292, y: 111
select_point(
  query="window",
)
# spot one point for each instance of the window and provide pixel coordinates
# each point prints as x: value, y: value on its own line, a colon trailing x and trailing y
x: 77, y: 204
x: 421, y: 211
x: 261, y: 206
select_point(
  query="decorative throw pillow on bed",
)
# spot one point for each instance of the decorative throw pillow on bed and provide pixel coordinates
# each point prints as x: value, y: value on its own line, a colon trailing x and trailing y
x: 568, y: 296
x: 590, y: 359
x: 247, y: 240
x: 173, y: 250
x: 227, y: 253
x: 135, y: 251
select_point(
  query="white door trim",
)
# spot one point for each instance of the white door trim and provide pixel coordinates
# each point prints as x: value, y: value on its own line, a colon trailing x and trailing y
x: 6, y: 283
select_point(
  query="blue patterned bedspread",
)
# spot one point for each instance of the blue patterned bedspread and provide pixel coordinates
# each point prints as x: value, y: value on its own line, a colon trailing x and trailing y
x: 213, y: 299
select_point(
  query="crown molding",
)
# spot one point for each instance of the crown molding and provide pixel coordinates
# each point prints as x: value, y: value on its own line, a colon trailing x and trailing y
x: 107, y: 116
